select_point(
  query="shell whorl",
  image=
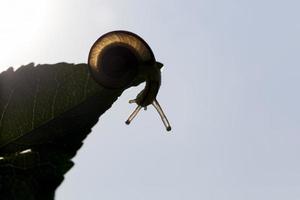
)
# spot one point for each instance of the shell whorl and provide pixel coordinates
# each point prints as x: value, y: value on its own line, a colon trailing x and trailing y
x: 114, y: 58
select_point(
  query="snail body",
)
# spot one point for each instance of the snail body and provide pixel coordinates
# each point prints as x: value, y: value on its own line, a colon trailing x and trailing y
x: 117, y: 58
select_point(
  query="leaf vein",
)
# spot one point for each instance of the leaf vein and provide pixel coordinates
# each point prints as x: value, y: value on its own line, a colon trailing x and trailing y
x: 34, y: 103
x: 86, y: 85
x: 6, y: 106
x: 54, y: 97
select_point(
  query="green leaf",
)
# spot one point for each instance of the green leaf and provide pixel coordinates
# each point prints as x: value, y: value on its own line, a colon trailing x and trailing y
x: 46, y: 111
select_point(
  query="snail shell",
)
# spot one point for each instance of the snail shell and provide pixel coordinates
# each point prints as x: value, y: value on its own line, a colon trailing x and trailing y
x: 115, y: 57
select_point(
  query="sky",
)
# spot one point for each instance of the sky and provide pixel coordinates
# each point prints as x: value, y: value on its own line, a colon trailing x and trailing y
x: 229, y: 88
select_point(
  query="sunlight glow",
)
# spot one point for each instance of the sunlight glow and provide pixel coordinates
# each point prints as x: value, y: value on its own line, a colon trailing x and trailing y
x: 20, y: 24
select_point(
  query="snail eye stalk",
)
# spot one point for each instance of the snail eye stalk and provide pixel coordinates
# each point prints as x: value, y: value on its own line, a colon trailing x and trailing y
x: 159, y: 110
x: 162, y: 115
x: 133, y: 115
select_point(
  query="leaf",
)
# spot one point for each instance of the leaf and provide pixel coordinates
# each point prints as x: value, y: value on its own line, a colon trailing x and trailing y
x: 46, y: 111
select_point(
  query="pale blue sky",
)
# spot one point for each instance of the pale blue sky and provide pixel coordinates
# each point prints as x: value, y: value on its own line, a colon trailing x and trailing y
x: 230, y: 89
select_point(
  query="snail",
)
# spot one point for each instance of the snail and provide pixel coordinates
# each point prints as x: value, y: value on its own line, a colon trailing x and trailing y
x: 117, y: 58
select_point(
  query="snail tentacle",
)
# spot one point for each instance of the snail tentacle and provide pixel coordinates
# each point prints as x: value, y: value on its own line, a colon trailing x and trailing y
x: 162, y: 115
x: 133, y: 115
